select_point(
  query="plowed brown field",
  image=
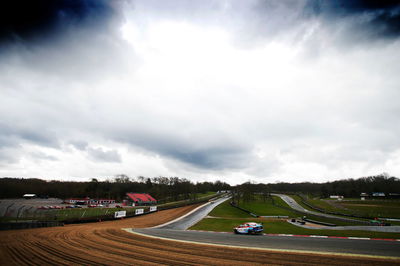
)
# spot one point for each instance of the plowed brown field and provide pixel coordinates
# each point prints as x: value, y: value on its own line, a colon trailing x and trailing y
x: 105, y: 243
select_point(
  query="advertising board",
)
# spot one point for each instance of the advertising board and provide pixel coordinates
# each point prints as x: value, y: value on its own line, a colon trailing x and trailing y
x: 153, y: 208
x: 139, y: 211
x: 119, y: 214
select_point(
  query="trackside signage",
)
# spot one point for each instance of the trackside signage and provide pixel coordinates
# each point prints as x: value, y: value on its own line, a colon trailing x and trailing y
x: 153, y: 208
x: 139, y: 211
x: 119, y: 214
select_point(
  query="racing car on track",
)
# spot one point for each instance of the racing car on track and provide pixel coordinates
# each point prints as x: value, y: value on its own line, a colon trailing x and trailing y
x: 248, y: 228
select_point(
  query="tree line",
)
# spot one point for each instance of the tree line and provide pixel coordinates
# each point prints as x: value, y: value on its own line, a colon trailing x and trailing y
x: 161, y: 188
x: 350, y: 188
x: 175, y: 188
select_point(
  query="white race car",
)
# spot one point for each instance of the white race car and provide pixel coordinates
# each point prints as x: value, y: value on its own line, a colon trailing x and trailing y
x: 248, y: 228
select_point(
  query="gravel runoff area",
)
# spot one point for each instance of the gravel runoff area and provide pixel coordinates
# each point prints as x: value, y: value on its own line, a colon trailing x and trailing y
x: 105, y: 243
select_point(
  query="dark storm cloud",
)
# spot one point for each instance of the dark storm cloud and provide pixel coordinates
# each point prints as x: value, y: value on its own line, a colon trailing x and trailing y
x: 372, y: 18
x: 74, y: 40
x: 209, y: 158
x: 206, y: 151
x: 37, y: 20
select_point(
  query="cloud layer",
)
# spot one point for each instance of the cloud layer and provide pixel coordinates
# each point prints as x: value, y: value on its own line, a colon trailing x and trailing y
x: 260, y: 90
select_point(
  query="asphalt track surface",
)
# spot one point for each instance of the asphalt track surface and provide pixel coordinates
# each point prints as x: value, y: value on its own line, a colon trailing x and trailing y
x: 183, y: 223
x: 310, y: 244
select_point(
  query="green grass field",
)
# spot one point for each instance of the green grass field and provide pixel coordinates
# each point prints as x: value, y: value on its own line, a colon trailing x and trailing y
x: 227, y: 211
x: 266, y: 208
x: 374, y: 208
x: 209, y: 193
x: 368, y: 208
x: 280, y: 202
x: 259, y: 207
x: 225, y: 217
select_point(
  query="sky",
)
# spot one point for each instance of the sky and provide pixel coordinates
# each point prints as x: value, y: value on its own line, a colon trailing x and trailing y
x: 262, y: 91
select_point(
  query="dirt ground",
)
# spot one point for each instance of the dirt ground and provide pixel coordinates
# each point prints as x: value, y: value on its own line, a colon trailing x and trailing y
x: 104, y: 243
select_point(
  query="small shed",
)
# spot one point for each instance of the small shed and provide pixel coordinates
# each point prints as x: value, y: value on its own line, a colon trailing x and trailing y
x: 29, y: 196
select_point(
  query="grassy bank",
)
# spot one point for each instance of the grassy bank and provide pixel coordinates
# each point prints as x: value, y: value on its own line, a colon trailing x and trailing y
x: 376, y: 208
x: 225, y: 217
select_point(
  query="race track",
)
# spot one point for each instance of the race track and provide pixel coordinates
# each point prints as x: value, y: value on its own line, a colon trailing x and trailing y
x: 313, y: 244
x: 105, y: 243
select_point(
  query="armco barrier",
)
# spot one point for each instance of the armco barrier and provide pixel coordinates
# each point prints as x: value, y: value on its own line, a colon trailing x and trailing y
x: 247, y: 211
x: 318, y: 222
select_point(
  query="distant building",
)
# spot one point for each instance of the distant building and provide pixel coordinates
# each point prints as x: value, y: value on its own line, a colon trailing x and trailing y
x: 102, y: 201
x: 139, y: 199
x: 78, y: 201
x: 89, y: 201
x: 378, y: 194
x: 336, y: 197
x: 29, y: 196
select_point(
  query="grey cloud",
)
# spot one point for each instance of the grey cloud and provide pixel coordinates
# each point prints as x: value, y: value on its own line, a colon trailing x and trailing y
x: 215, y: 158
x: 252, y: 23
x: 98, y: 154
x: 11, y: 135
x: 67, y: 91
x: 43, y: 156
x: 9, y: 155
x: 208, y: 151
x: 79, y: 144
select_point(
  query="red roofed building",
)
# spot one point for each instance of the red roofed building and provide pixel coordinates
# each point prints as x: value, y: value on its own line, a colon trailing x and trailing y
x: 140, y: 199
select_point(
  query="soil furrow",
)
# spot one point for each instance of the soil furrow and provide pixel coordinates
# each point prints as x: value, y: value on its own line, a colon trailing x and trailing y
x: 65, y: 256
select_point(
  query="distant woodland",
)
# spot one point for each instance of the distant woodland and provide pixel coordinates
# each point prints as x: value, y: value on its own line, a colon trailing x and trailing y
x: 162, y: 188
x: 175, y: 188
x: 349, y: 188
